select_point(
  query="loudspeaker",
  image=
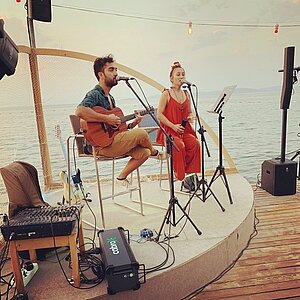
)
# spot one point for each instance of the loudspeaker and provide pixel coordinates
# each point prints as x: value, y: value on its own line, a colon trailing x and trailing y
x: 279, y: 178
x: 8, y: 53
x: 41, y: 10
x: 287, y: 84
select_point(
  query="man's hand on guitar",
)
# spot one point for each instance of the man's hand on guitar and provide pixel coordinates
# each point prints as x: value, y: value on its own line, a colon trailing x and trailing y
x: 112, y: 119
x: 113, y: 122
x: 137, y: 120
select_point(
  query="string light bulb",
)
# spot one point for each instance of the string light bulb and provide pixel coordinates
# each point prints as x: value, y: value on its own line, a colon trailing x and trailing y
x: 18, y: 1
x: 190, y: 29
x: 276, y: 28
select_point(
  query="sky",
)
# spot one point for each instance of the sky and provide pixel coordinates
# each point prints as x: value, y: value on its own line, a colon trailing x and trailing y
x: 213, y: 56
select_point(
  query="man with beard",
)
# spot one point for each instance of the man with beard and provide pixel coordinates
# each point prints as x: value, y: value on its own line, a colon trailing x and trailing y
x: 134, y: 142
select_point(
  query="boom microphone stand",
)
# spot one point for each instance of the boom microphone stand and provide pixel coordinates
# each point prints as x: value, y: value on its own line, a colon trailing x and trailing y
x: 202, y: 184
x: 170, y: 216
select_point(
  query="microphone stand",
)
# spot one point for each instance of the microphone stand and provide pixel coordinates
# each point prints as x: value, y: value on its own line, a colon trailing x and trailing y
x: 202, y: 184
x: 170, y: 216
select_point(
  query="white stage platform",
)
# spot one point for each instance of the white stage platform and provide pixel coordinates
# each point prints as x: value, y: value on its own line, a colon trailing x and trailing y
x: 198, y: 258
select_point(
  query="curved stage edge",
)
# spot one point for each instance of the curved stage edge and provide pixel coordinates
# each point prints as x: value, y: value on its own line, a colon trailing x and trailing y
x: 198, y: 258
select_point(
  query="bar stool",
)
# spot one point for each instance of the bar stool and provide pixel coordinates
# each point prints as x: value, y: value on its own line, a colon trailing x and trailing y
x: 85, y: 150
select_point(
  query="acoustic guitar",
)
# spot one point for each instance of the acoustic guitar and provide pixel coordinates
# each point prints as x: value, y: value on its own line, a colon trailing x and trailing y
x: 102, y: 134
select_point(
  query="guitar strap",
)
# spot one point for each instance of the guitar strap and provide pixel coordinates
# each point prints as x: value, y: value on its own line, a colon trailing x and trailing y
x: 110, y: 102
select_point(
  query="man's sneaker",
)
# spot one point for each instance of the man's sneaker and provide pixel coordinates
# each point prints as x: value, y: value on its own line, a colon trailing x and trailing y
x: 160, y: 155
x: 125, y: 184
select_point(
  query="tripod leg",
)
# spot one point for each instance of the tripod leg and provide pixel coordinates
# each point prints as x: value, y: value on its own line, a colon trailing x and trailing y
x: 188, y: 217
x: 173, y: 200
x: 226, y: 185
x: 212, y: 193
x: 204, y: 183
x: 166, y: 219
x: 214, y: 177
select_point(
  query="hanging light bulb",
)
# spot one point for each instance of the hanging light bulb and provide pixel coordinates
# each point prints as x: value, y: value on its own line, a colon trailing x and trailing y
x: 190, y: 29
x: 276, y: 28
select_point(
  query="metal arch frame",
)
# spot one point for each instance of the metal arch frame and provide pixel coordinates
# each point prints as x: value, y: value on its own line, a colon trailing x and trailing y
x: 48, y: 181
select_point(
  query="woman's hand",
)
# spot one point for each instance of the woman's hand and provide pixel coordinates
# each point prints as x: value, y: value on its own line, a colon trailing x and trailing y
x: 178, y: 128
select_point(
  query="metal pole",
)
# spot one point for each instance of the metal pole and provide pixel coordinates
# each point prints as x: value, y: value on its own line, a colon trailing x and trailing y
x: 42, y: 135
x: 283, y: 135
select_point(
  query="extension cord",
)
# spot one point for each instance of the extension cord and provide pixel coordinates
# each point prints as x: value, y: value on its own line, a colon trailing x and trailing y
x: 27, y: 275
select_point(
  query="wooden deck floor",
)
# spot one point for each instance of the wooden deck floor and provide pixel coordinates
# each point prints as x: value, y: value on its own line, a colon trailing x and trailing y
x: 270, y: 266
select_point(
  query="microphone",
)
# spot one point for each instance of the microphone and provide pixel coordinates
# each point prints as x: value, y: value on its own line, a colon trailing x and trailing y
x: 124, y: 78
x: 295, y: 69
x: 184, y: 81
x: 183, y: 123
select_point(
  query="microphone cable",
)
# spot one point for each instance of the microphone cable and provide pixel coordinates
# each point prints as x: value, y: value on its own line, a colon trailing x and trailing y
x: 86, y: 262
x: 6, y: 279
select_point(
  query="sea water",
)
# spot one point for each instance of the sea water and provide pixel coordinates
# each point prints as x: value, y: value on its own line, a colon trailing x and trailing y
x: 252, y: 127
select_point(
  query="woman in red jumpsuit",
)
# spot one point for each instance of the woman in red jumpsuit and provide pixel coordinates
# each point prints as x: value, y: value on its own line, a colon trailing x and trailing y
x: 175, y: 106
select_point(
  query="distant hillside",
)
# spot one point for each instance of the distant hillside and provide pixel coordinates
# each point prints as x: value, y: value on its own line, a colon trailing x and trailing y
x: 153, y: 99
x: 251, y: 90
x: 247, y: 90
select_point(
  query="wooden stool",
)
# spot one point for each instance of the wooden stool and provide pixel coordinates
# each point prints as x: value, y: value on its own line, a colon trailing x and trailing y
x: 46, y: 242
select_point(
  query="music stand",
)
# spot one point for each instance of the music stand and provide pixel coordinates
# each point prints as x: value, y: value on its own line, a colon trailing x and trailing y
x: 170, y: 216
x: 218, y: 109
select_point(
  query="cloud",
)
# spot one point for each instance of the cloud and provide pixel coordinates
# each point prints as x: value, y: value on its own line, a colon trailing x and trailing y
x: 17, y: 29
x: 14, y: 28
x: 211, y: 38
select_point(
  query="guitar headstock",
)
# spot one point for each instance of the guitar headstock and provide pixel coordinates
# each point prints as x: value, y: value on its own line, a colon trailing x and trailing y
x: 57, y: 131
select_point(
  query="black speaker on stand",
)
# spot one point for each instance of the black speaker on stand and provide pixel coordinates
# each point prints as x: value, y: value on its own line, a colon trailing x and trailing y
x: 278, y: 177
x: 41, y: 10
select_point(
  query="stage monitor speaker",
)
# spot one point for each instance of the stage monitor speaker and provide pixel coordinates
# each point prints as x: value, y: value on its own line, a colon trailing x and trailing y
x: 287, y: 84
x: 41, y: 10
x: 279, y: 178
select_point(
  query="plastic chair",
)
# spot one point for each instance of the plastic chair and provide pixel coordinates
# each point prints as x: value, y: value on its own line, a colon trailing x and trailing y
x: 86, y: 150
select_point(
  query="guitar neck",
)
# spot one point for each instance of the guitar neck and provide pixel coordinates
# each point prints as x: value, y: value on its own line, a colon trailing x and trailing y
x: 127, y: 118
x: 132, y: 116
x: 63, y: 148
